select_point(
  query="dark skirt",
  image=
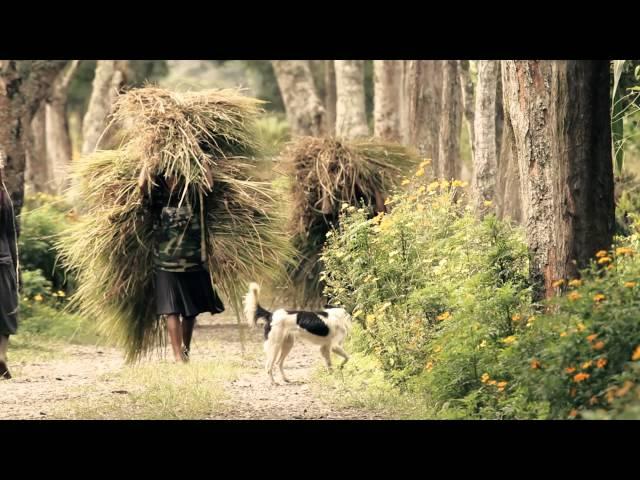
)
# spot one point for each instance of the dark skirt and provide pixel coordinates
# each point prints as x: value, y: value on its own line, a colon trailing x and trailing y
x: 186, y: 293
x: 8, y: 301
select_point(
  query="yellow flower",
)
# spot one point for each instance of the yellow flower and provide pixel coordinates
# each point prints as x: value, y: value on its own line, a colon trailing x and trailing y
x: 483, y: 344
x: 598, y: 346
x: 592, y: 337
x: 535, y: 364
x: 484, y: 378
x: 598, y: 297
x: 420, y: 172
x: 586, y: 365
x: 54, y: 294
x: 432, y: 186
x: 570, y: 369
x: 356, y: 314
x: 487, y: 203
x: 530, y: 320
x: 636, y: 354
x: 580, y: 377
x: 371, y: 318
x: 405, y: 182
x: 422, y: 189
x: 425, y: 162
x: 581, y: 327
x: 563, y: 334
x: 624, y: 251
x: 437, y: 349
x: 344, y: 206
x: 602, y: 253
x: 509, y: 340
x: 630, y: 284
x: 444, y: 183
x: 457, y: 183
x: 604, y: 260
x: 61, y: 293
x: 38, y: 298
x: 575, y: 282
x: 573, y: 296
x: 558, y: 283
x: 602, y: 362
x: 387, y: 200
x: 501, y: 386
x: 516, y: 317
x: 492, y: 382
x: 444, y: 316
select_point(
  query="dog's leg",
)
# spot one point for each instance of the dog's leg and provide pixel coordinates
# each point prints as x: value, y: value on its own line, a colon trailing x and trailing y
x: 287, y: 344
x: 326, y: 354
x: 273, y: 347
x: 340, y: 351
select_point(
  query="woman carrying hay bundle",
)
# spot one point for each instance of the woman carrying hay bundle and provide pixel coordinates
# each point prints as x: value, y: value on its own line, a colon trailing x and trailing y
x: 182, y: 284
x: 8, y: 275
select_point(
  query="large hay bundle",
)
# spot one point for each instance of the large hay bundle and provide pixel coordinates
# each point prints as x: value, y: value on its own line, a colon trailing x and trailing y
x: 110, y: 247
x: 326, y: 173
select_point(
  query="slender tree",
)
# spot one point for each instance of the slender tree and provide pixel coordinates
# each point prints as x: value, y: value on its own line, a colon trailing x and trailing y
x: 386, y: 84
x: 449, y: 162
x: 351, y: 117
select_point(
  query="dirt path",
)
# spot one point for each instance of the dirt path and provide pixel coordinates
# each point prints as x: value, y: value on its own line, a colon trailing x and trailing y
x: 39, y: 386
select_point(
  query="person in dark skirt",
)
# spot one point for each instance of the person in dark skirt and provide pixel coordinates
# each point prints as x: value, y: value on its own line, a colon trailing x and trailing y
x: 182, y: 283
x: 8, y: 276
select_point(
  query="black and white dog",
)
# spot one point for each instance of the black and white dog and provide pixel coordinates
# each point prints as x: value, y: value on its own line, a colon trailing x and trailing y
x: 327, y: 328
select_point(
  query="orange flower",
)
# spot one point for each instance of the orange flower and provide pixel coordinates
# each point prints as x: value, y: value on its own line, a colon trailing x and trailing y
x: 630, y: 284
x: 492, y: 382
x: 598, y: 297
x: 602, y: 362
x: 624, y: 251
x: 570, y: 369
x: 535, y: 364
x: 579, y: 377
x: 603, y: 260
x: 558, y: 283
x: 592, y: 337
x: 516, y: 317
x: 598, y: 346
x: 636, y: 354
x: 602, y: 253
x: 501, y: 386
x: 573, y: 296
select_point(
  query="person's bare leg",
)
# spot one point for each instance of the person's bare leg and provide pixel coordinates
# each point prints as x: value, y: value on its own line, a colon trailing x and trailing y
x: 188, y: 324
x: 175, y: 335
x: 4, y: 369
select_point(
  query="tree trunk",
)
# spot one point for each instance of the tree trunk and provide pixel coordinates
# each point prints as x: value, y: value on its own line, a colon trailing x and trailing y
x: 305, y: 112
x: 106, y: 82
x: 351, y: 116
x: 37, y: 173
x: 485, y: 162
x: 24, y: 84
x: 559, y: 113
x: 57, y: 128
x: 386, y: 97
x: 468, y: 102
x: 449, y: 162
x: 330, y: 96
x: 421, y: 98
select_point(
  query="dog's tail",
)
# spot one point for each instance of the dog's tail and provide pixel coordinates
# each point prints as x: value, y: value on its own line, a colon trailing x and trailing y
x: 252, y: 309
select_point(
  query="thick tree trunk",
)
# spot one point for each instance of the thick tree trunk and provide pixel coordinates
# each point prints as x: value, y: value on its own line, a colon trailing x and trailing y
x: 305, y: 112
x: 107, y: 80
x: 421, y: 98
x: 57, y: 127
x: 449, y: 162
x: 330, y: 96
x: 485, y: 163
x: 559, y: 113
x: 351, y: 115
x: 468, y: 101
x: 386, y: 86
x: 24, y: 84
x: 37, y: 173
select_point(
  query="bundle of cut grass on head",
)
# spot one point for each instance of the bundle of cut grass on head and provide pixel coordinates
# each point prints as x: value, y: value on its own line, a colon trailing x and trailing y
x: 326, y: 174
x: 109, y: 247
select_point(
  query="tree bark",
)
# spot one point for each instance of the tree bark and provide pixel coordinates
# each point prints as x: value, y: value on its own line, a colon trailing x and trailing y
x: 37, y: 174
x: 559, y: 114
x: 386, y: 87
x: 468, y: 101
x: 422, y: 98
x: 57, y: 128
x: 24, y: 84
x: 108, y: 79
x: 351, y: 116
x: 305, y: 112
x: 330, y: 96
x: 485, y: 160
x: 449, y: 162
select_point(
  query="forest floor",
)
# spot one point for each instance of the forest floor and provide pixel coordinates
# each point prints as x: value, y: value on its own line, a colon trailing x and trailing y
x: 224, y: 380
